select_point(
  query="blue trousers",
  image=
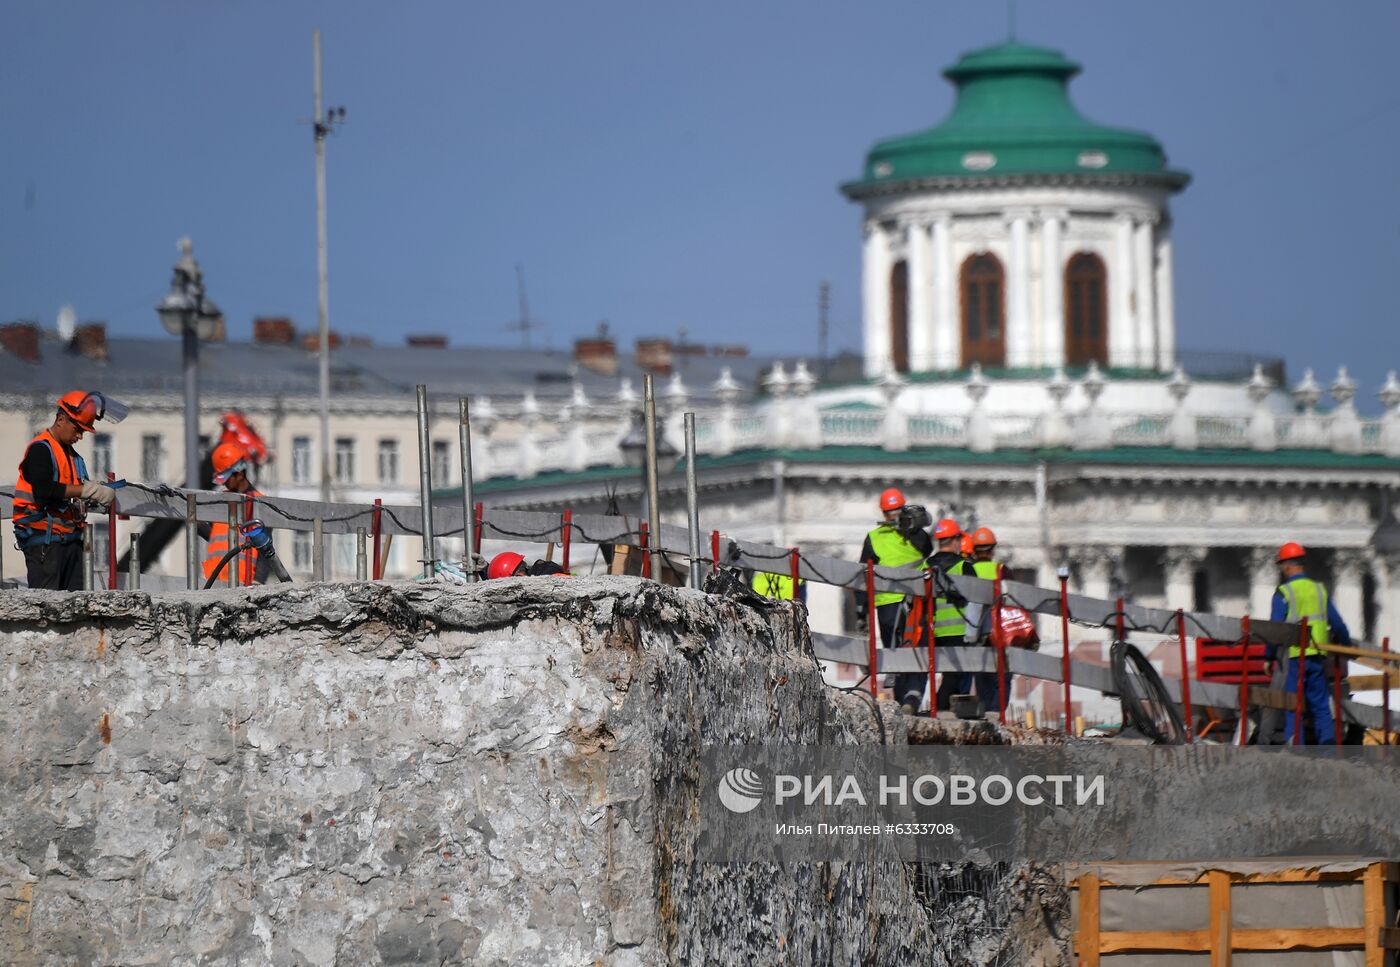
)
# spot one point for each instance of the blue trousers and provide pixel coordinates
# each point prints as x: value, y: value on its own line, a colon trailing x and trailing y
x: 1314, y: 697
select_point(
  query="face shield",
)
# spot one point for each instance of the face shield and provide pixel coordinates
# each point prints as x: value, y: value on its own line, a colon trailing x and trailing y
x: 109, y: 409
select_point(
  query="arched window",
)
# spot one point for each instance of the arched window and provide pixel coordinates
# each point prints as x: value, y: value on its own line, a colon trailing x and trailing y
x: 1086, y: 318
x: 983, y: 311
x: 899, y: 316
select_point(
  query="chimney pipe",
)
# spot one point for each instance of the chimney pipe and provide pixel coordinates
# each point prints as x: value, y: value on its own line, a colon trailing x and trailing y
x: 90, y: 341
x: 21, y: 339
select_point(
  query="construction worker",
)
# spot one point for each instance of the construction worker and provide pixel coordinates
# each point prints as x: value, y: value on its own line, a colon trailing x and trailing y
x: 232, y: 465
x: 1299, y: 597
x: 979, y: 620
x: 949, y: 625
x: 51, y: 492
x: 889, y: 545
x: 776, y: 586
x: 966, y: 548
x: 509, y: 564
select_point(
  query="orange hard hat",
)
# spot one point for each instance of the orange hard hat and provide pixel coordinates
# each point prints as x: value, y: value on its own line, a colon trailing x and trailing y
x: 892, y: 499
x: 228, y: 459
x: 983, y: 537
x: 1291, y: 551
x: 946, y: 529
x: 966, y: 545
x: 81, y: 407
x: 505, y: 564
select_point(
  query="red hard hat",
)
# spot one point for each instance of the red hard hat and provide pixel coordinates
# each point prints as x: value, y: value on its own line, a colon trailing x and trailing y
x: 946, y: 529
x: 892, y: 499
x: 983, y: 537
x: 504, y: 564
x: 1291, y: 551
x: 966, y: 545
x: 81, y: 407
x: 228, y: 459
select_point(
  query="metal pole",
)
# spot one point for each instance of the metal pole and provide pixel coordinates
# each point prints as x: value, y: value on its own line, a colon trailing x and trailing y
x: 1244, y: 680
x: 653, y: 485
x: 478, y: 515
x: 322, y: 286
x: 646, y: 555
x: 566, y: 533
x: 873, y: 620
x: 1063, y: 575
x: 464, y: 443
x: 376, y: 524
x: 89, y: 562
x: 318, y: 550
x: 1385, y: 693
x: 1185, y: 673
x: 190, y: 343
x: 112, y: 540
x: 192, y: 569
x: 692, y: 501
x: 1000, y: 641
x: 232, y: 543
x: 133, y: 573
x: 795, y: 569
x: 425, y: 481
x: 932, y: 647
x: 361, y: 560
x: 714, y: 552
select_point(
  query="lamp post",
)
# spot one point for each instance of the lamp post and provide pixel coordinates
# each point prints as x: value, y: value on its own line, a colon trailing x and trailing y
x: 185, y: 312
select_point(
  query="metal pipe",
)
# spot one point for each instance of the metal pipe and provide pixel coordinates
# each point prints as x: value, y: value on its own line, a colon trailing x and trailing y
x: 133, y: 564
x: 89, y: 562
x: 233, y: 542
x: 692, y: 500
x: 425, y: 482
x: 566, y: 533
x: 795, y: 569
x: 1244, y: 680
x: 191, y: 542
x: 1063, y: 575
x: 318, y: 549
x: 1385, y: 693
x: 464, y: 444
x: 478, y: 516
x: 1120, y: 626
x: 1185, y: 674
x: 874, y: 619
x: 321, y: 128
x: 932, y: 647
x: 112, y: 540
x: 1000, y: 641
x: 190, y: 353
x: 714, y: 552
x: 647, y: 572
x: 653, y: 483
x: 361, y: 555
x: 376, y: 525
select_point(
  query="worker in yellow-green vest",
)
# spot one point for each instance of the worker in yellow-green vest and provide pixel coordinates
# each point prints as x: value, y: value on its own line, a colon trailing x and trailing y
x: 949, y: 623
x: 899, y: 541
x: 1298, y: 597
x: 979, y: 619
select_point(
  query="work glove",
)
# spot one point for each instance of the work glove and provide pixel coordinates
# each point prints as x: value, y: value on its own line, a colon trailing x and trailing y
x: 98, y: 493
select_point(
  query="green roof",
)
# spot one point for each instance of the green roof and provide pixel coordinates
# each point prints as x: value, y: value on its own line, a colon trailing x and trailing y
x: 1013, y: 116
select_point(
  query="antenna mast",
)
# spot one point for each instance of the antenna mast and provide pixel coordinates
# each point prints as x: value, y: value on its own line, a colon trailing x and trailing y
x: 525, y: 324
x: 321, y: 125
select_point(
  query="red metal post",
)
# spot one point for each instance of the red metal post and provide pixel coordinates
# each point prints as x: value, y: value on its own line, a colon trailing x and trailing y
x: 1185, y: 673
x: 479, y: 512
x: 1303, y: 641
x: 1064, y: 657
x: 112, y: 541
x: 566, y: 531
x: 1385, y: 694
x: 932, y: 649
x: 795, y: 559
x: 1337, y: 666
x: 872, y: 622
x: 646, y: 556
x: 375, y: 529
x: 714, y: 551
x: 1120, y: 627
x: 1245, y: 636
x: 1001, y: 646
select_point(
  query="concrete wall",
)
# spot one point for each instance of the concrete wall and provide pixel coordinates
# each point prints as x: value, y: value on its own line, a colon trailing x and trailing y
x: 375, y: 774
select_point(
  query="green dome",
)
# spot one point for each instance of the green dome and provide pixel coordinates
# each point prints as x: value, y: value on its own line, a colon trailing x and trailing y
x: 1013, y: 116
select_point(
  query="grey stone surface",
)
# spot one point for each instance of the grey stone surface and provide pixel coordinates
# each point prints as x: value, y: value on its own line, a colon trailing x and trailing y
x: 425, y: 774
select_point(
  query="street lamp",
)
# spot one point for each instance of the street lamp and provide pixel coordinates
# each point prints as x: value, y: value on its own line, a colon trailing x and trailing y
x: 185, y: 312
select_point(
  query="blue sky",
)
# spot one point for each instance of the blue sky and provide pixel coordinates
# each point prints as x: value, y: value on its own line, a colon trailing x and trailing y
x: 660, y: 165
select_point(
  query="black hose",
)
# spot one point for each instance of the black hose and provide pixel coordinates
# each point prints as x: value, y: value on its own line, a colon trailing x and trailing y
x: 272, y: 561
x: 222, y: 562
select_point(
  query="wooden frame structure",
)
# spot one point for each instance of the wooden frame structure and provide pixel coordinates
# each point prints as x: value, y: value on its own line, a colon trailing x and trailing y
x: 1378, y: 937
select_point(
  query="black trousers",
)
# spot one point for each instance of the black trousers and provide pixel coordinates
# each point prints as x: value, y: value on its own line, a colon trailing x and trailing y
x: 55, y: 567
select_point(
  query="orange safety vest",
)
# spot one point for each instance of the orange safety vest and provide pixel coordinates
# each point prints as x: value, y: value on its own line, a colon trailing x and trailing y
x: 218, y: 547
x: 61, y: 523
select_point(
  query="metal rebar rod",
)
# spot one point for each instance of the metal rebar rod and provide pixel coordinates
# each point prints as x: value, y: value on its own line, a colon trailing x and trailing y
x: 191, y: 542
x: 318, y: 549
x: 692, y: 500
x: 425, y: 482
x: 233, y: 535
x: 361, y: 555
x: 653, y: 484
x: 468, y: 497
x: 89, y: 560
x: 133, y: 564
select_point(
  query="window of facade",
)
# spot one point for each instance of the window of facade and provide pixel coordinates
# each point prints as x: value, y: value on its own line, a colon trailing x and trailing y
x: 983, y: 285
x: 899, y: 317
x: 301, y: 550
x: 301, y: 459
x: 1086, y: 316
x: 344, y: 460
x: 442, y: 462
x: 103, y: 462
x: 101, y: 545
x: 152, y: 457
x: 388, y: 461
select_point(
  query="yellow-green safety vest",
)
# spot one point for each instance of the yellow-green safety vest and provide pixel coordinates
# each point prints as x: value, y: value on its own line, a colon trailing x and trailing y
x: 892, y: 549
x: 773, y: 585
x: 948, y: 621
x: 986, y: 569
x: 1306, y: 599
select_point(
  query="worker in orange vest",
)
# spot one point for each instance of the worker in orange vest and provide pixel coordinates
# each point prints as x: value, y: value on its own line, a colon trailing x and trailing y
x: 50, y: 509
x: 231, y: 469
